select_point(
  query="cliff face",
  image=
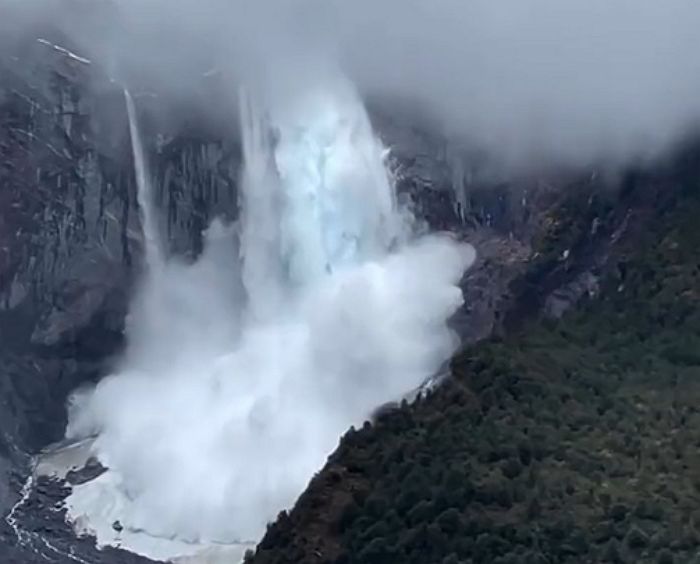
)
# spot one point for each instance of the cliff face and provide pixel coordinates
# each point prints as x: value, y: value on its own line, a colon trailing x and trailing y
x: 68, y: 252
x: 70, y: 248
x: 70, y: 232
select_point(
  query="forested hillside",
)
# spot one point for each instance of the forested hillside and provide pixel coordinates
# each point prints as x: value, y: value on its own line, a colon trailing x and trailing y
x: 564, y: 440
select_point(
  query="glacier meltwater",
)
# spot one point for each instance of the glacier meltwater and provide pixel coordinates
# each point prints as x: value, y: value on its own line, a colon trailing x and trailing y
x: 243, y: 369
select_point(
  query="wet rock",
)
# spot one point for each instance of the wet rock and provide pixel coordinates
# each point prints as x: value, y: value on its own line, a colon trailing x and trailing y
x: 90, y: 471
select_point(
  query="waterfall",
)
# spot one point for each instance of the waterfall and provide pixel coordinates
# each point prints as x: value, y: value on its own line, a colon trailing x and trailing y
x: 149, y: 218
x: 261, y: 207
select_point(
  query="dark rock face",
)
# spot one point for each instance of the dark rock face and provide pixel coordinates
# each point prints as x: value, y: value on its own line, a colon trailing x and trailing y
x: 70, y: 246
x: 65, y: 268
x: 45, y: 536
x: 71, y: 212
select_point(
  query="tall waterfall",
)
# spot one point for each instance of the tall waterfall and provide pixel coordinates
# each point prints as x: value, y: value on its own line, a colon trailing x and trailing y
x: 149, y: 221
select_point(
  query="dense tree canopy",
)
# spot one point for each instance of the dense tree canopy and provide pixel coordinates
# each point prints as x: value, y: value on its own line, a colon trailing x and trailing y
x: 566, y: 441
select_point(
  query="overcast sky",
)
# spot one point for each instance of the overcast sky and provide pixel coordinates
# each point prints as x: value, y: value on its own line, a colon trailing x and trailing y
x: 568, y: 80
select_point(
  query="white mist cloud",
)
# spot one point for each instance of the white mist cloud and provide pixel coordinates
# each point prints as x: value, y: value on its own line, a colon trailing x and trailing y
x: 242, y: 374
x: 211, y: 440
x: 570, y: 80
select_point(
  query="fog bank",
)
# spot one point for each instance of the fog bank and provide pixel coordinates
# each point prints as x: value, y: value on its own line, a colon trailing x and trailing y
x: 530, y: 80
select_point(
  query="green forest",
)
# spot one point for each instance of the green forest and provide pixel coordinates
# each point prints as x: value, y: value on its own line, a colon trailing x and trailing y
x: 561, y: 441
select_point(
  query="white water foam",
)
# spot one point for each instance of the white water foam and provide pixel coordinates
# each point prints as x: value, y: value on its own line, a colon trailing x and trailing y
x: 244, y: 368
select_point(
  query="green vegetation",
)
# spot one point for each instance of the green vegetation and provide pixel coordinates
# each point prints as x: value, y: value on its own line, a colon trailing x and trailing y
x: 572, y: 441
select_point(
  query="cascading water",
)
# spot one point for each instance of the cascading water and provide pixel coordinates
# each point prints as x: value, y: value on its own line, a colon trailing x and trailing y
x: 241, y: 375
x: 144, y: 193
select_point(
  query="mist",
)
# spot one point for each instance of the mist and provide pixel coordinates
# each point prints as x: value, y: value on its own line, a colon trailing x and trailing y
x: 536, y: 81
x: 244, y: 369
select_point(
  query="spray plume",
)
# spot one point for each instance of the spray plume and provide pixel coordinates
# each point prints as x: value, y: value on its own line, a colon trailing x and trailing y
x: 244, y: 368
